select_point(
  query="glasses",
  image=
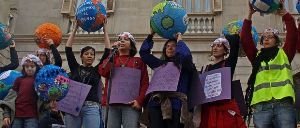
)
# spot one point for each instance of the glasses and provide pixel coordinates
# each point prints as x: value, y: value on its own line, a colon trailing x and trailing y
x: 268, y: 36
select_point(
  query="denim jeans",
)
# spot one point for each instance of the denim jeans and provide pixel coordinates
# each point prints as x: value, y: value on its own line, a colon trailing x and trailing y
x: 123, y: 115
x: 25, y: 123
x: 274, y: 115
x: 89, y: 117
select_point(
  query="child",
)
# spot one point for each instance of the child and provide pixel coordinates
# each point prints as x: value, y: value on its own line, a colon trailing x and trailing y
x: 20, y: 105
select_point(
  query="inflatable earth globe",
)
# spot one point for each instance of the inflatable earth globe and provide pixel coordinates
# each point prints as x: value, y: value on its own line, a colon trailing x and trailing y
x: 168, y: 18
x: 265, y: 6
x: 235, y: 27
x: 298, y: 6
x: 49, y: 85
x: 90, y: 15
x: 5, y: 37
x: 48, y: 31
x: 7, y: 80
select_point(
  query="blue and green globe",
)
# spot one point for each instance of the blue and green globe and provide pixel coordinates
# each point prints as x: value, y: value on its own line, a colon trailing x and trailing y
x: 5, y: 37
x: 235, y: 27
x: 7, y: 80
x: 265, y: 6
x: 47, y: 85
x: 168, y: 18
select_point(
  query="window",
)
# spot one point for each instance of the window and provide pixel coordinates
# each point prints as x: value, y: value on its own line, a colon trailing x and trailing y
x: 196, y: 6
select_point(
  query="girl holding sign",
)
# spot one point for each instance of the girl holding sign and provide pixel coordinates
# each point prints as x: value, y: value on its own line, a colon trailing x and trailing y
x: 14, y: 61
x: 128, y: 84
x: 270, y: 92
x: 222, y: 113
x: 169, y: 85
x: 90, y: 113
x: 20, y: 105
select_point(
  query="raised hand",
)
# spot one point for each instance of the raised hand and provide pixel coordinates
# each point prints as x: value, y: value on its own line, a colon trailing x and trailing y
x: 251, y: 11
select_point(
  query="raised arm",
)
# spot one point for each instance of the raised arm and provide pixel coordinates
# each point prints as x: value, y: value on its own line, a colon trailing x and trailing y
x: 73, y: 64
x: 290, y: 45
x: 145, y: 53
x: 14, y: 61
x: 106, y: 45
x: 56, y: 55
x: 246, y: 36
x: 234, y: 41
x: 183, y: 53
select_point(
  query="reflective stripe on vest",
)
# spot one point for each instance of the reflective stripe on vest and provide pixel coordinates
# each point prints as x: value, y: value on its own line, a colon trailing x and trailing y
x: 275, y: 67
x: 274, y: 80
x: 273, y: 84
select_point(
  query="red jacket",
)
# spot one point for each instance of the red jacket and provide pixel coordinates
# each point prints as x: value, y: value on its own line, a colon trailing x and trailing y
x: 221, y: 114
x: 133, y: 62
x: 290, y: 41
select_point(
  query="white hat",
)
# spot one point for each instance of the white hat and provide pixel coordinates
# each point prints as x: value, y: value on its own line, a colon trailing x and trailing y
x: 32, y: 58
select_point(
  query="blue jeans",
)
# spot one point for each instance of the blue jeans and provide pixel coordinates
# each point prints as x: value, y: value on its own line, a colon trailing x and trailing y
x: 89, y: 117
x: 25, y: 123
x: 123, y: 115
x: 274, y: 115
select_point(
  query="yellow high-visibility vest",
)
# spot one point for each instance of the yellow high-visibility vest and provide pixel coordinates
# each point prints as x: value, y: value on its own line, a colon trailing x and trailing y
x: 274, y: 80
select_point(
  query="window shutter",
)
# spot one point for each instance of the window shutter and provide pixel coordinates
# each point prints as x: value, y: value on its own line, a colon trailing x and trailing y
x: 66, y: 7
x: 217, y: 5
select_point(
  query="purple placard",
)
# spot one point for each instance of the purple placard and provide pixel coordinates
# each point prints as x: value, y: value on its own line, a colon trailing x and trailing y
x: 165, y: 78
x: 215, y: 85
x: 73, y: 102
x: 125, y: 85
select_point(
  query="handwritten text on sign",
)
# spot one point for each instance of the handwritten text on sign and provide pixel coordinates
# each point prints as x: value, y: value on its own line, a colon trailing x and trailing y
x: 125, y: 85
x: 165, y: 78
x: 73, y: 102
x: 212, y: 86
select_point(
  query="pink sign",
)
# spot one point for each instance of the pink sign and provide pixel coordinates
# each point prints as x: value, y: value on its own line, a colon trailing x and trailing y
x: 125, y: 85
x: 165, y: 78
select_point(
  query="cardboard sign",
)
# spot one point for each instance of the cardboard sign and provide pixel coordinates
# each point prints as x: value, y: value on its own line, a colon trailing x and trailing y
x: 125, y: 85
x: 75, y: 98
x: 165, y: 78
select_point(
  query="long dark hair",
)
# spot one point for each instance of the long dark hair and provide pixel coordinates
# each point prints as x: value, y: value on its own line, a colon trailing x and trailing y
x: 163, y: 55
x: 133, y: 50
x: 170, y: 59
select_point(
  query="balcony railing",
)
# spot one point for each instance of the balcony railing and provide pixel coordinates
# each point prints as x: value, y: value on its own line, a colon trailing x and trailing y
x: 200, y: 23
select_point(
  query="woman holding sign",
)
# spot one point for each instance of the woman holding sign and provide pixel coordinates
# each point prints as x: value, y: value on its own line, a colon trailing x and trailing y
x: 90, y: 114
x: 128, y: 84
x: 270, y: 92
x: 169, y: 85
x: 222, y: 113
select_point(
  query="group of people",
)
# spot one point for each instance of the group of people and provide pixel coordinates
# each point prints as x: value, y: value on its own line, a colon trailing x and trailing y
x: 270, y: 92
